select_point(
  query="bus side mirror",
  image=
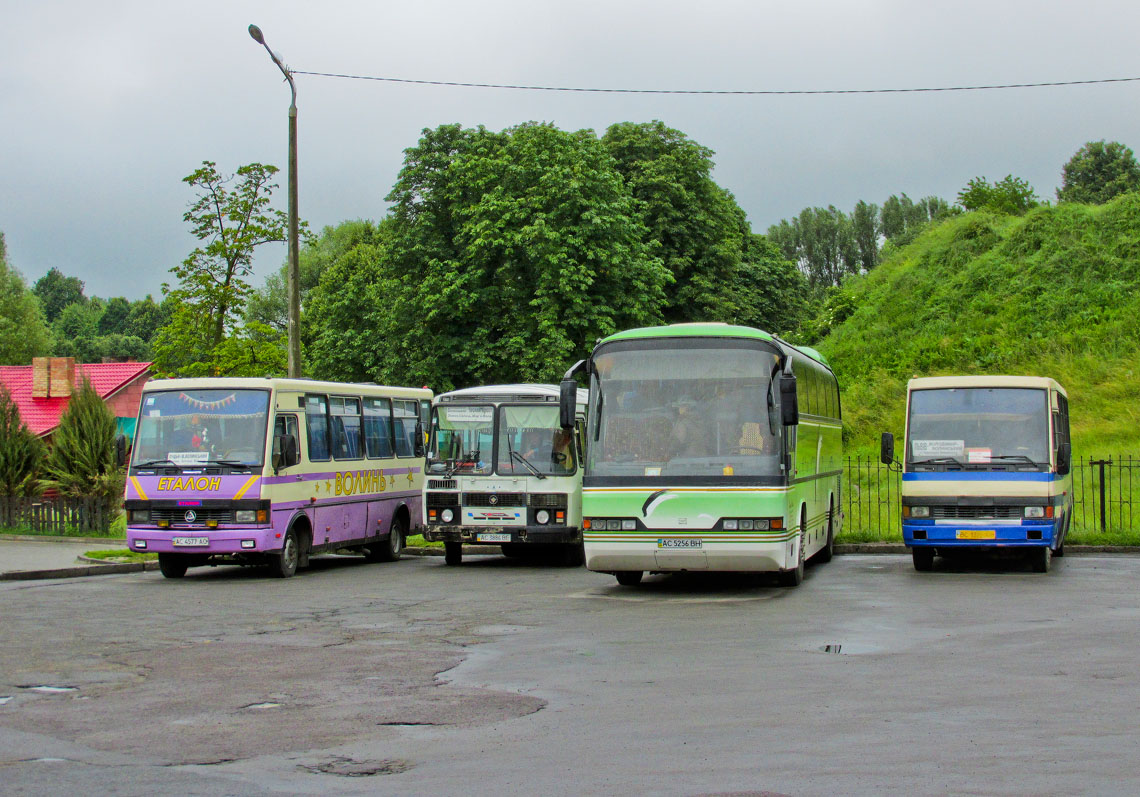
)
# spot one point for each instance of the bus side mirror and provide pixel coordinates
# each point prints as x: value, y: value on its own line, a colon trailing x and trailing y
x: 789, y: 401
x: 418, y: 448
x: 120, y: 450
x: 1064, y: 459
x: 567, y: 403
x: 887, y: 448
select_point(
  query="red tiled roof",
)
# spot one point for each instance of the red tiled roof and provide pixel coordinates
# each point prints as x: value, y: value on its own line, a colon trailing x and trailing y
x: 43, y: 414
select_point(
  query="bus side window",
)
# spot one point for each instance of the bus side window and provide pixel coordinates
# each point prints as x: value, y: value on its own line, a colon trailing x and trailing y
x: 405, y: 414
x: 378, y: 428
x: 317, y: 427
x: 345, y: 427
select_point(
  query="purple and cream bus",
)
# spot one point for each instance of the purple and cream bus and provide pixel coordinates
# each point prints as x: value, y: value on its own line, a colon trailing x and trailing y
x: 270, y: 471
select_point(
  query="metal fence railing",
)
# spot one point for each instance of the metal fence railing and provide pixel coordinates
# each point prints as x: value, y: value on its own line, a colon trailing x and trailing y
x: 58, y: 515
x: 1105, y: 492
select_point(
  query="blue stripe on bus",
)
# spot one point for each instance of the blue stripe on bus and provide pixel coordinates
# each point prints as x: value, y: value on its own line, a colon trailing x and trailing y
x: 979, y: 476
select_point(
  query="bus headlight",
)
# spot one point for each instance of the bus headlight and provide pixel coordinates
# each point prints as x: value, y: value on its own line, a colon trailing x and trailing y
x: 140, y: 515
x: 245, y: 516
x: 1035, y: 511
x: 447, y: 516
x: 542, y: 517
x: 920, y: 511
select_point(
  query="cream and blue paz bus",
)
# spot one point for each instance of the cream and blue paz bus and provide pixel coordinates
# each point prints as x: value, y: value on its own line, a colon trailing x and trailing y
x: 710, y: 447
x: 986, y: 466
x: 269, y: 471
x: 502, y: 472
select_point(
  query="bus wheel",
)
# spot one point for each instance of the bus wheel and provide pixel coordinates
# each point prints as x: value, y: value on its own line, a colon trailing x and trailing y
x: 628, y: 578
x: 824, y: 554
x: 284, y: 564
x: 1040, y: 559
x: 923, y: 559
x: 172, y: 565
x: 795, y: 576
x: 1064, y: 533
x: 389, y: 550
x: 453, y: 552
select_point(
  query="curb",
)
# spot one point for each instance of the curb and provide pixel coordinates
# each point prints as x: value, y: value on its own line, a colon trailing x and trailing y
x: 108, y: 569
x: 113, y: 541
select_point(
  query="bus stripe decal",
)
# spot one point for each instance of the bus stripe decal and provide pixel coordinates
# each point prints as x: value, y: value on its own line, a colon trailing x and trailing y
x: 245, y: 487
x: 139, y: 489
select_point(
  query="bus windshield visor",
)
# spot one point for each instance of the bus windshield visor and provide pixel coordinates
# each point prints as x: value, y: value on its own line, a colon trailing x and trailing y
x: 200, y: 427
x: 706, y: 410
x: 531, y: 442
x: 979, y: 426
x: 462, y: 438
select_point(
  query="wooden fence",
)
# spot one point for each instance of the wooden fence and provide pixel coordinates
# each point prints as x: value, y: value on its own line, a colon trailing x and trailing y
x: 58, y: 515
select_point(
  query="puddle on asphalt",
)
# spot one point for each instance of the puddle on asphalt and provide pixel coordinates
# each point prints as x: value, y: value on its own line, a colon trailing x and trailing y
x: 51, y: 690
x: 848, y: 648
x: 350, y: 768
x: 4, y: 699
x: 262, y: 705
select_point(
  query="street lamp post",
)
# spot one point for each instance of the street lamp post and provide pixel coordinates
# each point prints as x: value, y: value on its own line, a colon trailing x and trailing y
x: 294, y: 253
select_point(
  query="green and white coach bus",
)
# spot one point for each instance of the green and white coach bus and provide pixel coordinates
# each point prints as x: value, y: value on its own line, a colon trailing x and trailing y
x: 502, y: 472
x: 710, y: 447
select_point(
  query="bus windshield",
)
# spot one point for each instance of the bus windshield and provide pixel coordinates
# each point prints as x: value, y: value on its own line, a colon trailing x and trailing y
x: 201, y: 426
x: 462, y: 439
x: 979, y: 426
x: 701, y: 410
x: 531, y: 442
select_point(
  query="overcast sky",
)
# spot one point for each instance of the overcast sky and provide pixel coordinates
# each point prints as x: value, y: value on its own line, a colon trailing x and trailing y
x: 105, y: 107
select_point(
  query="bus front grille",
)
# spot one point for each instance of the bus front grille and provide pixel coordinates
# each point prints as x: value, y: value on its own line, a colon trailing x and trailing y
x: 494, y: 499
x: 954, y: 512
x: 442, y: 499
x: 176, y: 515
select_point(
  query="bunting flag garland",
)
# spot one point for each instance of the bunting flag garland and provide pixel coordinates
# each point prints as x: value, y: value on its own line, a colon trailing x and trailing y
x: 208, y: 405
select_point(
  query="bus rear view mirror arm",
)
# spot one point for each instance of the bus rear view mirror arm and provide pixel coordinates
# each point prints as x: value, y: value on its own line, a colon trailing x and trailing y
x: 1064, y: 459
x: 568, y: 396
x: 789, y: 402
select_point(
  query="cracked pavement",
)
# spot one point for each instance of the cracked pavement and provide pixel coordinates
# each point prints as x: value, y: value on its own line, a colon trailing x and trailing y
x: 503, y: 676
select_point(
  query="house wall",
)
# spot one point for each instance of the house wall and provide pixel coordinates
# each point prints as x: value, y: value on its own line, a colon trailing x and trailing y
x: 125, y: 403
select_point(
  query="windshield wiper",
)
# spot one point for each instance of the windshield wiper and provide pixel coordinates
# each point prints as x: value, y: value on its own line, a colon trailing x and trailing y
x: 1021, y: 457
x: 152, y: 462
x: 237, y: 462
x: 515, y: 455
x: 936, y: 461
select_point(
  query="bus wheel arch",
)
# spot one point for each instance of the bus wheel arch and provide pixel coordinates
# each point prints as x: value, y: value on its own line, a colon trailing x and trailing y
x: 389, y: 547
x: 794, y: 577
x: 825, y: 553
x: 302, y: 529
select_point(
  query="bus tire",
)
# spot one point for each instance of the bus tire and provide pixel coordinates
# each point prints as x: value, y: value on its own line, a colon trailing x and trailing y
x: 1040, y: 558
x: 923, y: 559
x: 172, y: 565
x: 389, y: 550
x: 1064, y: 533
x: 453, y: 553
x: 795, y: 576
x: 824, y: 554
x: 629, y: 578
x: 284, y: 564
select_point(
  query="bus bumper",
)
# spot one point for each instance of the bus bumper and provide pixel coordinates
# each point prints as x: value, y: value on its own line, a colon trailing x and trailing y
x: 649, y: 555
x: 218, y: 542
x: 975, y: 535
x: 517, y: 534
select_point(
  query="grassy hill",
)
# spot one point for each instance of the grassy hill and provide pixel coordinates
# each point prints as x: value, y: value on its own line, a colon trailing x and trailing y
x: 1053, y: 293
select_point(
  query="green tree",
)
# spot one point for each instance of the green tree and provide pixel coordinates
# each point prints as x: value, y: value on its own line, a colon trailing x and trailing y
x: 1010, y: 195
x: 20, y: 450
x: 865, y: 235
x: 1098, y: 172
x: 231, y: 216
x: 270, y: 304
x: 81, y: 461
x: 508, y: 254
x: 55, y: 292
x: 23, y: 333
x: 146, y: 316
x: 694, y: 224
x: 116, y: 316
x: 771, y: 293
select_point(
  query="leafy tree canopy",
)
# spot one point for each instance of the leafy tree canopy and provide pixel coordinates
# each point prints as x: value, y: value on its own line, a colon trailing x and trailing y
x: 1098, y: 172
x: 1010, y: 195
x: 508, y: 254
x: 55, y: 292
x: 23, y: 333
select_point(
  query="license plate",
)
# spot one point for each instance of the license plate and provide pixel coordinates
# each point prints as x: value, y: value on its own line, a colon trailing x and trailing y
x: 679, y: 543
x: 977, y: 534
x: 191, y: 541
x: 484, y: 537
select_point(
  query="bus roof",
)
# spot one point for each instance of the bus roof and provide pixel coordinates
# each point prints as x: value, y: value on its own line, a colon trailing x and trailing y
x: 712, y: 329
x: 930, y: 382
x: 303, y: 385
x: 517, y: 392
